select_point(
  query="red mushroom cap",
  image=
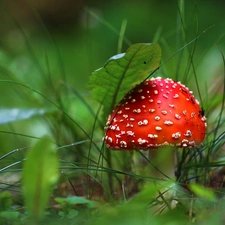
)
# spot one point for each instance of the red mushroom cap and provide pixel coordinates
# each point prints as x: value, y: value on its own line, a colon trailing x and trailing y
x: 156, y: 113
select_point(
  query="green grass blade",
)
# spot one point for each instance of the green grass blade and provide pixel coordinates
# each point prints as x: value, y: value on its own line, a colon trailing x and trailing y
x: 40, y: 173
x: 203, y: 192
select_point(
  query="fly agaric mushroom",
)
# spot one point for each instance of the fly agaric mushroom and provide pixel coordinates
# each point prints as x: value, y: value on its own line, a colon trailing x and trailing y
x: 158, y: 112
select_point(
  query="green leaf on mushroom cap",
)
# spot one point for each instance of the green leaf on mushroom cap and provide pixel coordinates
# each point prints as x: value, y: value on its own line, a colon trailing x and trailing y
x: 121, y: 72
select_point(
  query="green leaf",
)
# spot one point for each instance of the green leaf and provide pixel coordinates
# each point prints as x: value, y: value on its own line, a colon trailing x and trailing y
x: 74, y: 200
x: 5, y: 200
x: 149, y: 192
x: 121, y: 72
x: 9, y: 115
x: 39, y: 175
x: 203, y: 192
x: 72, y: 213
x: 9, y: 215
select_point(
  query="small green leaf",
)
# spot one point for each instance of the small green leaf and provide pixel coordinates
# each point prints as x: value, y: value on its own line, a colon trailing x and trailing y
x: 203, y: 192
x: 39, y: 175
x: 72, y: 213
x: 74, y: 200
x: 9, y: 215
x: 121, y: 72
x: 5, y: 200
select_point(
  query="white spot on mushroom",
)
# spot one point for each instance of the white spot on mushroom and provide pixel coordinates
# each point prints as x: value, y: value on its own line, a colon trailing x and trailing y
x: 188, y: 133
x: 125, y: 116
x: 157, y: 118
x: 127, y: 108
x: 109, y: 139
x: 140, y: 90
x: 177, y: 116
x: 151, y: 110
x: 158, y: 128
x: 165, y: 96
x: 176, y: 96
x: 192, y: 143
x: 123, y: 144
x: 203, y: 119
x: 113, y: 127
x: 155, y: 92
x: 168, y: 122
x: 137, y: 110
x: 152, y: 136
x: 119, y: 112
x: 118, y: 128
x: 121, y: 120
x: 133, y: 100
x: 185, y: 141
x: 130, y: 133
x: 142, y: 141
x: 192, y: 114
x: 143, y: 106
x: 150, y: 100
x: 153, y: 85
x: 159, y: 102
x: 185, y: 112
x: 171, y: 105
x: 176, y: 135
x: 165, y: 143
x: 118, y: 136
x: 144, y: 122
x: 129, y: 125
x: 132, y: 119
x: 164, y: 112
x: 142, y: 97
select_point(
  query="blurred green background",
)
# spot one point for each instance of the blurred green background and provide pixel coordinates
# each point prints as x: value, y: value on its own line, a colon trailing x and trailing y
x: 48, y: 50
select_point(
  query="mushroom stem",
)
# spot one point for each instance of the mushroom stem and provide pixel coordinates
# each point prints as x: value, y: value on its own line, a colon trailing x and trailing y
x: 163, y: 167
x: 162, y: 162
